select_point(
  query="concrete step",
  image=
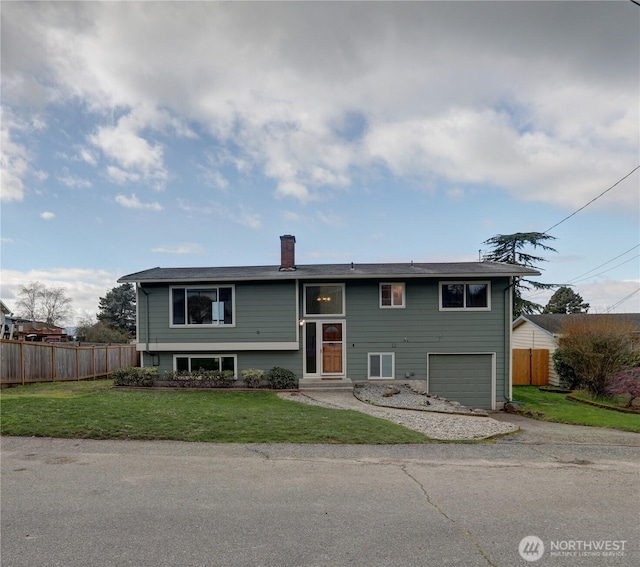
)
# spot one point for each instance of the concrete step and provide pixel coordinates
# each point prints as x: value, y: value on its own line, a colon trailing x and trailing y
x: 319, y: 384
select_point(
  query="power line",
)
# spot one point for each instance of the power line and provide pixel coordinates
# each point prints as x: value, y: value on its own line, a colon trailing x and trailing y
x: 613, y: 268
x: 592, y: 200
x: 623, y: 300
x: 576, y: 279
x: 607, y: 262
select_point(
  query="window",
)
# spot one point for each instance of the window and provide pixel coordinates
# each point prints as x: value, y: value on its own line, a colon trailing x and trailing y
x: 202, y: 305
x: 391, y: 295
x: 465, y: 295
x: 195, y: 362
x: 381, y: 365
x: 325, y: 299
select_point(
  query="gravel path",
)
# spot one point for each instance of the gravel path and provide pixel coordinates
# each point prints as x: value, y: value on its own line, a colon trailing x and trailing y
x: 442, y: 425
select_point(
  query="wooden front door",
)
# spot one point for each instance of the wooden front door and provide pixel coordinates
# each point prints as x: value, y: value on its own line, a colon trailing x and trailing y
x: 332, y: 348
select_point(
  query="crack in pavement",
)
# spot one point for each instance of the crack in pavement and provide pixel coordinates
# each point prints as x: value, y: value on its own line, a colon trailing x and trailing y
x: 467, y: 534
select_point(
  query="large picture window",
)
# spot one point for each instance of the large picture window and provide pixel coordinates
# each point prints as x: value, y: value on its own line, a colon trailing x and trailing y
x: 325, y: 299
x: 391, y: 295
x: 195, y: 362
x: 202, y: 305
x: 381, y: 365
x: 465, y: 296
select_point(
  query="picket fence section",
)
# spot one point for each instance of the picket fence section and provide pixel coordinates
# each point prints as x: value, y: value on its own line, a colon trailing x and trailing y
x: 24, y: 362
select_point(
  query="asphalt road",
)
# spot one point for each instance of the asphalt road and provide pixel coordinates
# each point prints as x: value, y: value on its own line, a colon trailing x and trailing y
x: 126, y: 503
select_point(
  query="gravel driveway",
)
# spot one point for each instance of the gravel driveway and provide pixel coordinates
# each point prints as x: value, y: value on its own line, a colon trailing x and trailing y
x: 437, y: 422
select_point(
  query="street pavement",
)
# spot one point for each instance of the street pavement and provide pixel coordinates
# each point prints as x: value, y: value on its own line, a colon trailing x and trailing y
x: 92, y: 503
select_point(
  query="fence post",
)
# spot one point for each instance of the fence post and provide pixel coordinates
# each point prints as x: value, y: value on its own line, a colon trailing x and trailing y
x: 53, y: 363
x: 78, y: 362
x: 22, y: 362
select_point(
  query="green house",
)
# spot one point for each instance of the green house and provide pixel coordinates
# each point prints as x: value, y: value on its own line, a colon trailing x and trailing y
x: 446, y: 327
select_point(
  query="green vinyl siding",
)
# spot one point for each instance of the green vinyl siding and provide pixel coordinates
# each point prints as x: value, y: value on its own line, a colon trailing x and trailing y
x: 264, y: 360
x: 264, y: 312
x: 421, y: 328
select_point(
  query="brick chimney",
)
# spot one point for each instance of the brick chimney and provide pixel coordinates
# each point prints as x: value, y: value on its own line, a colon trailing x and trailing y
x: 287, y: 253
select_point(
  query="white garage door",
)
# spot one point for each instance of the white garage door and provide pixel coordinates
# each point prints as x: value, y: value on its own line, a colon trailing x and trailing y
x: 464, y: 378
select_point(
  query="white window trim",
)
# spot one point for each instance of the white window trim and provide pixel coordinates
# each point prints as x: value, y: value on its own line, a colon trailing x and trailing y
x: 393, y: 365
x: 172, y: 325
x: 324, y: 315
x: 206, y: 355
x: 465, y: 283
x: 404, y: 297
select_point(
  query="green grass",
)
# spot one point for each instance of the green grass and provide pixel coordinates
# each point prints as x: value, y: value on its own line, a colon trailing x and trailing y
x: 92, y: 410
x: 556, y: 407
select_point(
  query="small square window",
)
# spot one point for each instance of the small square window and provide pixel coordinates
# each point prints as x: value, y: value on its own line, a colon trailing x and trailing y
x: 381, y: 366
x: 391, y: 295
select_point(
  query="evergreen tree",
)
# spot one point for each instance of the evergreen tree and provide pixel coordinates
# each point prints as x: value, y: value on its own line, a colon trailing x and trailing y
x: 566, y: 301
x: 118, y: 309
x: 510, y: 249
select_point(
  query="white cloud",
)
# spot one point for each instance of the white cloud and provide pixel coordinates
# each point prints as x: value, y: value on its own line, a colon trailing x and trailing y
x: 320, y: 92
x: 134, y: 203
x: 15, y: 160
x: 83, y: 286
x: 47, y: 215
x: 184, y: 248
x: 74, y: 181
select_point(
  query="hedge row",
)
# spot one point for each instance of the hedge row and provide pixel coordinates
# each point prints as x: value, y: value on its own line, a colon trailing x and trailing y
x: 276, y: 379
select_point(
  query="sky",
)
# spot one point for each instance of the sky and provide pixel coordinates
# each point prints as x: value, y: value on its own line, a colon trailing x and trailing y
x: 180, y: 134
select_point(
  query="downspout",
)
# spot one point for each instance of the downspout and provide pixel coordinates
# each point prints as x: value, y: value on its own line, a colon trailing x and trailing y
x: 146, y: 304
x: 508, y: 314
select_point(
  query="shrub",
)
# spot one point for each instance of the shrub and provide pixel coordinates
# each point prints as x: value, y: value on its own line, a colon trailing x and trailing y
x: 565, y: 371
x: 252, y: 377
x: 133, y: 376
x: 595, y: 348
x: 198, y: 379
x: 625, y: 382
x: 282, y: 379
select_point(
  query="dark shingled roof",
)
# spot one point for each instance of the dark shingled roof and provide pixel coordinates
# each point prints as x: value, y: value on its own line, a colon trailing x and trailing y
x: 552, y: 322
x: 331, y: 271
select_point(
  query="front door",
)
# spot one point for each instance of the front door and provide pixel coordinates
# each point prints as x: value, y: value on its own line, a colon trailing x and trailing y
x: 324, y: 349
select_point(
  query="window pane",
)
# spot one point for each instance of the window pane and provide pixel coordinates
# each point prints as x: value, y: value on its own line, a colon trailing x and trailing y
x: 323, y: 300
x: 453, y: 295
x: 226, y: 305
x: 178, y: 306
x: 182, y: 364
x: 200, y: 306
x: 228, y: 363
x: 374, y: 365
x: 205, y: 364
x: 387, y: 365
x: 397, y: 295
x: 385, y: 290
x: 310, y: 348
x: 477, y: 295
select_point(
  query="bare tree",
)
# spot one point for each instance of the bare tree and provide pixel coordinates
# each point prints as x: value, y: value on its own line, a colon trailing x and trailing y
x: 28, y: 302
x: 48, y: 304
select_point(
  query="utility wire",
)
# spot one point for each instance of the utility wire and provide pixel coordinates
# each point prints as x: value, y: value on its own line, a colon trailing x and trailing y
x: 607, y: 262
x: 576, y: 279
x: 623, y: 300
x: 608, y: 270
x: 592, y: 200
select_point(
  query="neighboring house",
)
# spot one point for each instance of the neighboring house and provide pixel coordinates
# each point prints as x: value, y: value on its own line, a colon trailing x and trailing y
x: 447, y: 325
x: 544, y: 332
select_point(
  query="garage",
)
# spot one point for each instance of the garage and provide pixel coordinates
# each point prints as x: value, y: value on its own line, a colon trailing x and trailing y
x: 465, y: 378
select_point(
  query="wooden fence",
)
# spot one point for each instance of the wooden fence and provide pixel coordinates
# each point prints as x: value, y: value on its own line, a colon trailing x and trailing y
x: 23, y: 362
x: 530, y: 367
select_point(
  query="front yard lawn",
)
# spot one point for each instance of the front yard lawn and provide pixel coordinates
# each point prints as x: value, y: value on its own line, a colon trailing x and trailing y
x: 555, y: 407
x: 93, y: 410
